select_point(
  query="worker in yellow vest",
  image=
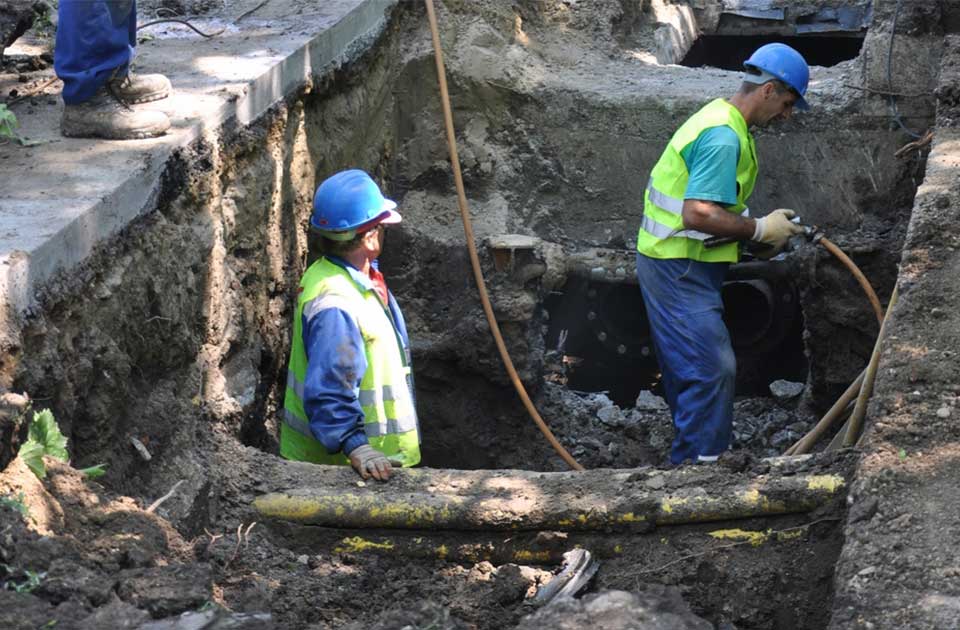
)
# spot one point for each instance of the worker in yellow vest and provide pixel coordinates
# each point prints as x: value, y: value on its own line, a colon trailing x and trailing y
x: 349, y: 396
x: 699, y: 189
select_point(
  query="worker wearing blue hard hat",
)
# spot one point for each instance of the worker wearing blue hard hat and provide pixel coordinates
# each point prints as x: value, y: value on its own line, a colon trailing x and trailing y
x: 697, y: 190
x: 349, y: 396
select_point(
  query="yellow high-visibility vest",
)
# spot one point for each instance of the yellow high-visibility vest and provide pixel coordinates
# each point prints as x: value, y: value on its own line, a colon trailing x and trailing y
x: 390, y: 418
x: 662, y: 234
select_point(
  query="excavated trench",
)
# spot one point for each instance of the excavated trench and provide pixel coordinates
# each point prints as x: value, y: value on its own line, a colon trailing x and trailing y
x: 180, y: 335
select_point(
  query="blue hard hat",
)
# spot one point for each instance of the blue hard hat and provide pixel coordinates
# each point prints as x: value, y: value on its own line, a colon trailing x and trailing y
x: 783, y: 63
x: 348, y: 201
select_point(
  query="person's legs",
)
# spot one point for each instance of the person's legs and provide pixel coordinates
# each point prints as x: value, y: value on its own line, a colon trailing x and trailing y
x: 95, y: 44
x: 685, y: 311
x: 652, y: 275
x: 94, y: 39
x: 709, y: 373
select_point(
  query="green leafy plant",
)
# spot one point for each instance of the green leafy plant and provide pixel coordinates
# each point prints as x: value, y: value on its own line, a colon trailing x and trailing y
x: 16, y: 504
x: 8, y: 129
x: 8, y: 123
x: 44, y: 439
x: 32, y: 581
x: 95, y: 471
x: 43, y: 22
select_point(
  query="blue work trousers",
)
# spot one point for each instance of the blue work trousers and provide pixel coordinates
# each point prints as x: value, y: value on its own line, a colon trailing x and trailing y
x: 94, y: 38
x: 685, y: 310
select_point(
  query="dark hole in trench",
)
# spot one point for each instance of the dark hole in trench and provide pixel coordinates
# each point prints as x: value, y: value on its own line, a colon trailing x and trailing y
x: 730, y: 51
x: 601, y: 334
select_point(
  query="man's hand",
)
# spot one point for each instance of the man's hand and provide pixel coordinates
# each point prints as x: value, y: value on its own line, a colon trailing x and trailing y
x: 370, y: 462
x: 775, y: 229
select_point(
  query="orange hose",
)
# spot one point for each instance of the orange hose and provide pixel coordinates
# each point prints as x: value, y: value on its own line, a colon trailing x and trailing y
x: 862, y: 279
x: 855, y: 425
x: 472, y: 248
x: 856, y: 389
x: 835, y: 412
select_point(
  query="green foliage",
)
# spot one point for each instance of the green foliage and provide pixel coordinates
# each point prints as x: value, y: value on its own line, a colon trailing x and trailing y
x: 15, y: 504
x: 44, y: 439
x: 45, y: 431
x: 95, y: 471
x: 8, y: 129
x: 8, y: 123
x: 32, y: 581
x: 43, y: 23
x: 32, y: 455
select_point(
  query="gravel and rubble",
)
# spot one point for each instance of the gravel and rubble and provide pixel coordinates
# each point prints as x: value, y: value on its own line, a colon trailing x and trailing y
x: 601, y: 434
x: 654, y: 607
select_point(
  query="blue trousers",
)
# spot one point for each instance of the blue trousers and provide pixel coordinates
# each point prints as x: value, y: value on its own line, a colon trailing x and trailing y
x: 94, y: 38
x: 699, y: 369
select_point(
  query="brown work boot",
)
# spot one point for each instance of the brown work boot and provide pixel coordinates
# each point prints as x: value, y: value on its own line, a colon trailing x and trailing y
x: 103, y: 116
x: 139, y: 88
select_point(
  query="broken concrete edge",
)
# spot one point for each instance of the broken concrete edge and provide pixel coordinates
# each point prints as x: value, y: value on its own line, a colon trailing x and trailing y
x: 23, y: 274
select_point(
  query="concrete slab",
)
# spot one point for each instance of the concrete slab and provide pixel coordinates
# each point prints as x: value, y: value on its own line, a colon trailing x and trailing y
x: 62, y: 197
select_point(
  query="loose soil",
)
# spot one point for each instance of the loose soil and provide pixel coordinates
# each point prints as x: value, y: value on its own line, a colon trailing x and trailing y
x: 104, y: 559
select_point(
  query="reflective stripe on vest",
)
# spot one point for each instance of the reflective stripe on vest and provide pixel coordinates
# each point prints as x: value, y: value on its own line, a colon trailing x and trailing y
x: 674, y: 206
x: 366, y: 398
x: 384, y: 394
x: 662, y: 233
x: 371, y: 429
x: 294, y: 383
x: 324, y: 302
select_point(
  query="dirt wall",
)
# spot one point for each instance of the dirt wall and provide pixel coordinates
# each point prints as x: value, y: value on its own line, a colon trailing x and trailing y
x: 896, y: 570
x: 181, y: 323
x: 180, y: 327
x: 551, y: 149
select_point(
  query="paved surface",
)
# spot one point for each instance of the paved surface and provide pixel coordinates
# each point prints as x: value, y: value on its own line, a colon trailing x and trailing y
x: 62, y: 197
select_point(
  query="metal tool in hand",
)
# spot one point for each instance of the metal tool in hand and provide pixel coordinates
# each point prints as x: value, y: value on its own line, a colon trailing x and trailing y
x: 717, y: 241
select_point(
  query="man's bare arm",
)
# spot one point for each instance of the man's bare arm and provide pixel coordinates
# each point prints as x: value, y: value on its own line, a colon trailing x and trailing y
x: 712, y: 218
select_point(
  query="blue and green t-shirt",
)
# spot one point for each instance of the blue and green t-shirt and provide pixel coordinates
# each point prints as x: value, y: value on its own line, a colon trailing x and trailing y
x: 712, y: 161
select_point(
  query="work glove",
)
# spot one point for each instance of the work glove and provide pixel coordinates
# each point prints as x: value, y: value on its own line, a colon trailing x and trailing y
x: 775, y: 230
x: 370, y: 462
